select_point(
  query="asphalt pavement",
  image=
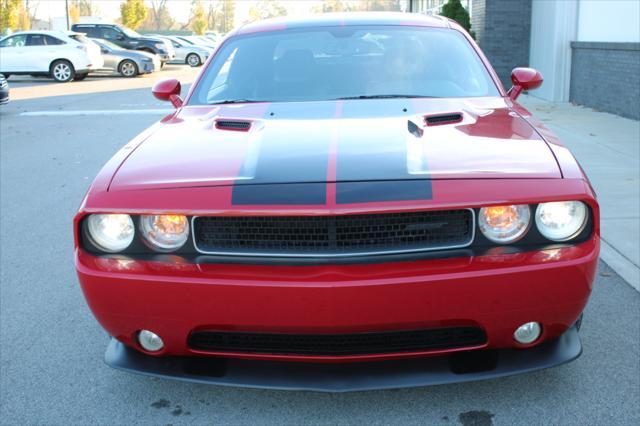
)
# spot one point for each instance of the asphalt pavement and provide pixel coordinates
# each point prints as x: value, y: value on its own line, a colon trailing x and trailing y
x: 51, y: 347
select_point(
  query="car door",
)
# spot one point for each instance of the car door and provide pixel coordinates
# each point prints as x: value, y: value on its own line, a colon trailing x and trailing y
x: 13, y: 53
x: 39, y: 55
x: 116, y: 36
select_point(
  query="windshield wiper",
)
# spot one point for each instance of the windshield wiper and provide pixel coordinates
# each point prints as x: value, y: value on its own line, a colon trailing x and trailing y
x: 236, y: 101
x: 380, y: 97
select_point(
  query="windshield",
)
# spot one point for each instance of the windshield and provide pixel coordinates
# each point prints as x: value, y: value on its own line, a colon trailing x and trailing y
x: 107, y: 44
x: 344, y: 62
x: 129, y: 32
x: 81, y: 39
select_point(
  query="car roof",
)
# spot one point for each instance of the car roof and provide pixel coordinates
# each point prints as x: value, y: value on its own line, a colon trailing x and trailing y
x: 346, y: 19
x: 57, y: 33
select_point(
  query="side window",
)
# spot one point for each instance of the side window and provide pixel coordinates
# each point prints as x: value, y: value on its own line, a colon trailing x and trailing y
x: 89, y: 31
x: 36, y: 40
x: 15, y: 41
x: 52, y: 41
x: 109, y: 33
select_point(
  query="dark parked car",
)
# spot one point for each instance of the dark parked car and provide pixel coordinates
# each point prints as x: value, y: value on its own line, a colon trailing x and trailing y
x: 4, y: 90
x: 128, y: 39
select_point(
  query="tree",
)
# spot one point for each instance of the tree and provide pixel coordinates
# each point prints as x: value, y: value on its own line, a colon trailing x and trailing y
x: 78, y: 8
x: 228, y: 16
x: 24, y: 20
x: 264, y: 9
x: 74, y: 13
x: 198, y: 17
x: 158, y: 17
x: 331, y: 6
x: 9, y: 15
x: 133, y: 13
x: 453, y: 9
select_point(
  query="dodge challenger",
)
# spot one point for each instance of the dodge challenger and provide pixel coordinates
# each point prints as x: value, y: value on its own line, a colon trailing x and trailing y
x: 340, y: 203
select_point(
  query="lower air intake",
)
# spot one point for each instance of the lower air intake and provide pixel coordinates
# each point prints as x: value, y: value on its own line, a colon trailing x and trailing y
x: 338, y: 344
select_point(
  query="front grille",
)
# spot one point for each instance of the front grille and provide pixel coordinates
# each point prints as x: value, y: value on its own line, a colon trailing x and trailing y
x: 350, y: 235
x: 338, y: 344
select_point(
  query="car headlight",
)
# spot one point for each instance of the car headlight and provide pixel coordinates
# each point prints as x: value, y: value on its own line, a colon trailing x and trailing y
x: 504, y: 224
x: 110, y: 232
x: 165, y: 232
x: 561, y: 220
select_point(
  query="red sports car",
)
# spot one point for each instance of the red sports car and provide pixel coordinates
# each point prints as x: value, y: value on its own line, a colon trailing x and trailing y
x: 342, y: 203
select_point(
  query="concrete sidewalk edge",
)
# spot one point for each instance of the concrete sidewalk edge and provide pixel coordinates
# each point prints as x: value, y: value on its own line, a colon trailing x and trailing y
x: 621, y: 265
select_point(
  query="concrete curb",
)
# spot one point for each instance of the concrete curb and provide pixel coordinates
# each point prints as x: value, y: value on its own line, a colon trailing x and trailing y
x: 621, y: 265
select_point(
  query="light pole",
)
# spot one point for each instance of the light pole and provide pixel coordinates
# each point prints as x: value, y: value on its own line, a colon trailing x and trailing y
x: 66, y: 4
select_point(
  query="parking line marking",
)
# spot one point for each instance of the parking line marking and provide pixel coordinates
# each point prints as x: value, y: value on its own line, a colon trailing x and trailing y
x: 96, y: 112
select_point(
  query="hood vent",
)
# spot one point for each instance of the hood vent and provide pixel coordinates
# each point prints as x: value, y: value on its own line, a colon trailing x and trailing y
x: 448, y: 118
x: 235, y: 125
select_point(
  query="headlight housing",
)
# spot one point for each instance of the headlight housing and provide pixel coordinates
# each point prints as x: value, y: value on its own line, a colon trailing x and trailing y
x: 165, y: 232
x: 504, y: 224
x: 561, y: 220
x: 111, y: 233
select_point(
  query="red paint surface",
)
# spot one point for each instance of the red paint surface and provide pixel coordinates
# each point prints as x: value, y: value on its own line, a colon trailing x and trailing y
x: 497, y: 154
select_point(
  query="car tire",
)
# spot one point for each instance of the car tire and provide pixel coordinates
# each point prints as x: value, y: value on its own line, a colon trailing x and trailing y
x: 162, y: 64
x: 193, y: 60
x: 62, y: 71
x: 80, y: 77
x: 128, y: 68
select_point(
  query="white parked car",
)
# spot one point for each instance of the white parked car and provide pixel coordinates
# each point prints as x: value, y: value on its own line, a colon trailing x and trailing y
x: 198, y: 41
x: 62, y: 55
x: 187, y: 52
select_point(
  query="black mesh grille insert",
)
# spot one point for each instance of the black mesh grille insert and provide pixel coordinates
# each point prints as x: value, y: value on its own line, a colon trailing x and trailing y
x: 338, y: 344
x: 334, y: 235
x: 233, y: 125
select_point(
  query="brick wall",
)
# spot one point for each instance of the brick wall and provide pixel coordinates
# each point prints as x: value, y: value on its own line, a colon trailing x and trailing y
x: 604, y: 76
x: 503, y: 30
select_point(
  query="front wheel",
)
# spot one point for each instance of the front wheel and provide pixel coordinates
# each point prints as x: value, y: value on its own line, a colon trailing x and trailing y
x: 62, y: 71
x: 193, y: 60
x: 128, y: 69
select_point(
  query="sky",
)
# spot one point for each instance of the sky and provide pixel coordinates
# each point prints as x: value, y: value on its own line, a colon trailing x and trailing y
x: 179, y: 9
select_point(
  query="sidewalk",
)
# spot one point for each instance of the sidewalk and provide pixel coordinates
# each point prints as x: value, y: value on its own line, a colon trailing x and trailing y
x: 608, y: 148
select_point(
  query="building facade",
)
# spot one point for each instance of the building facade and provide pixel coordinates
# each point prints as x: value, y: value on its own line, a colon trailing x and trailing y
x: 588, y: 51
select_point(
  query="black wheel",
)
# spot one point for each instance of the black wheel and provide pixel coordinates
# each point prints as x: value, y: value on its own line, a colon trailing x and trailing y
x: 162, y: 64
x: 80, y: 77
x: 193, y: 60
x: 62, y: 71
x: 128, y: 68
x: 7, y: 76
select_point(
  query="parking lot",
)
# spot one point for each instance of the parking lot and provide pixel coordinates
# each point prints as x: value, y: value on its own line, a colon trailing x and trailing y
x: 53, y: 140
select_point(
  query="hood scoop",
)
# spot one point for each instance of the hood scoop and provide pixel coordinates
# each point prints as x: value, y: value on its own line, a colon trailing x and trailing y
x: 447, y: 118
x: 234, y: 125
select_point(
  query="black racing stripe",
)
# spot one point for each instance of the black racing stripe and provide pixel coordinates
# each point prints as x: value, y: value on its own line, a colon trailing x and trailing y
x: 291, y: 194
x: 379, y: 155
x: 368, y: 192
x: 293, y: 151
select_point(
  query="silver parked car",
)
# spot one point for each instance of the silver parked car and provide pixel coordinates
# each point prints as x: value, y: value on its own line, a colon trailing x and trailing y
x: 187, y: 52
x: 129, y: 63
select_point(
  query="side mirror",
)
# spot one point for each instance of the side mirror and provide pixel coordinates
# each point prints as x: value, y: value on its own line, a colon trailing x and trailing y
x: 119, y: 37
x: 103, y: 50
x: 524, y: 79
x: 168, y: 90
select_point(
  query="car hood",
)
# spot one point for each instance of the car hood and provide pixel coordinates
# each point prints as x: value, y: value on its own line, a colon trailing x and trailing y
x: 338, y: 141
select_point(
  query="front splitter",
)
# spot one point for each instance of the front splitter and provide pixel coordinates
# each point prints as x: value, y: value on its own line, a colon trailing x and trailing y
x: 349, y: 376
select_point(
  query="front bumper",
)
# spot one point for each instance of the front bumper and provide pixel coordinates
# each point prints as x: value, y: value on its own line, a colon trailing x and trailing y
x: 4, y: 96
x: 349, y: 377
x: 496, y: 292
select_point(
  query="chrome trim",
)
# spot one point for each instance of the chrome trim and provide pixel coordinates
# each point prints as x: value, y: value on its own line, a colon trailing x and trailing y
x: 338, y: 255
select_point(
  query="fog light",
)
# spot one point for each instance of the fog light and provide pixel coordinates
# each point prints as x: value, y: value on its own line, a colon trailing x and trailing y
x: 150, y: 341
x: 527, y: 333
